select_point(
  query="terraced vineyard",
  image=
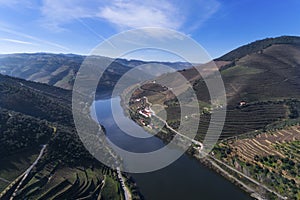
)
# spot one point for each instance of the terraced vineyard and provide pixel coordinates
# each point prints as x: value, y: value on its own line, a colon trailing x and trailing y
x: 239, y: 120
x: 270, y: 157
x: 264, y: 144
x: 53, y: 182
x: 63, y: 169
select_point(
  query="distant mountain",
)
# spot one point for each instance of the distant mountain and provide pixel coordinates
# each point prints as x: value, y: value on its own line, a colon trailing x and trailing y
x: 54, y: 69
x: 60, y: 69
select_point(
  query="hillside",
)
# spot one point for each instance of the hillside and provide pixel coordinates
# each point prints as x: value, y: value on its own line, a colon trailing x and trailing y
x: 260, y: 136
x: 258, y: 46
x: 264, y: 75
x: 265, y: 80
x: 270, y: 73
x: 60, y: 69
x: 37, y: 118
x: 53, y: 69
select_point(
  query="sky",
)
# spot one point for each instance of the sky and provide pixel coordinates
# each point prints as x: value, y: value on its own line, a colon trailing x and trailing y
x: 78, y: 26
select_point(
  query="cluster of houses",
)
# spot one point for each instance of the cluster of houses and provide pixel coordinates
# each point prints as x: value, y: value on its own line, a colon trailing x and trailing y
x: 150, y: 125
x: 146, y: 112
x: 142, y: 108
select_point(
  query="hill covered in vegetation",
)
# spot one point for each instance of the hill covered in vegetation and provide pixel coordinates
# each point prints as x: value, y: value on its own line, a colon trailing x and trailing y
x: 261, y: 134
x: 37, y: 118
x: 257, y: 46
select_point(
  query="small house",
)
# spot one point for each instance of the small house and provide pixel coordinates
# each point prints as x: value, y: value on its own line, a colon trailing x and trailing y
x: 242, y: 103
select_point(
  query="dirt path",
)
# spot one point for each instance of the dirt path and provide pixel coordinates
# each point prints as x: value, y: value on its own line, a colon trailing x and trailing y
x: 26, y: 173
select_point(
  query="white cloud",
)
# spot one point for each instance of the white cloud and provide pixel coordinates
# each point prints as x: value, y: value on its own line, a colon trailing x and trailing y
x: 126, y: 14
x: 135, y: 14
x: 59, y: 12
x: 15, y: 41
x: 13, y: 32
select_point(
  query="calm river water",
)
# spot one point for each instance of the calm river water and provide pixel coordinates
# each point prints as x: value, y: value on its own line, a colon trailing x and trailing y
x: 185, y: 179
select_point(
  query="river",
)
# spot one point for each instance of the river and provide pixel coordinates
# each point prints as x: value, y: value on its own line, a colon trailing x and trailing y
x: 186, y: 178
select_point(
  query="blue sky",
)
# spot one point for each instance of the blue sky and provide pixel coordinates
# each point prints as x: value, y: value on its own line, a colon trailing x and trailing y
x: 78, y: 26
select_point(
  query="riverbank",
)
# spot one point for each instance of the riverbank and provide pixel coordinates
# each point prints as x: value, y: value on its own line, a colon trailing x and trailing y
x: 247, y: 184
x: 212, y: 165
x: 183, y: 179
x: 129, y: 187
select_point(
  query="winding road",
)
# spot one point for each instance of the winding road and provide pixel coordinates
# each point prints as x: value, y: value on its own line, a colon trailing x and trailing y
x: 247, y: 177
x: 173, y: 130
x: 216, y: 163
x: 176, y: 132
x: 220, y: 162
x: 26, y: 173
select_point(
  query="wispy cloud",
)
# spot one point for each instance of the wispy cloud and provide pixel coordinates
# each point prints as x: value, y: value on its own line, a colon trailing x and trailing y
x: 205, y: 10
x: 8, y: 2
x: 135, y: 14
x: 60, y: 15
x: 124, y: 14
x: 56, y: 13
x: 16, y: 41
x: 17, y: 3
x: 13, y: 32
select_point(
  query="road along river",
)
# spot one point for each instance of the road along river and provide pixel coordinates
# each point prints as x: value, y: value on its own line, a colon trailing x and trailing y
x: 186, y: 178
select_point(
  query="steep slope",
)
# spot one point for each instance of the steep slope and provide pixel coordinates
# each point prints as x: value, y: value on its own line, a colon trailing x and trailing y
x: 258, y: 46
x: 42, y: 103
x: 269, y: 70
x: 32, y: 116
x: 261, y: 135
x: 266, y: 79
x: 269, y: 74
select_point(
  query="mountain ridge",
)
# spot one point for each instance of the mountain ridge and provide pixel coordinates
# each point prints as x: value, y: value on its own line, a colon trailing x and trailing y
x: 256, y: 46
x: 60, y: 69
